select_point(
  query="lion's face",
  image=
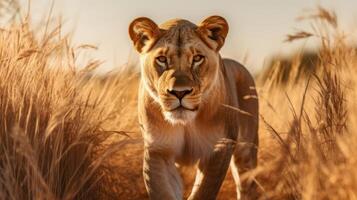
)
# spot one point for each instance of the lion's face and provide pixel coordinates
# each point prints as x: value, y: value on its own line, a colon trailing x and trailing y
x: 179, y: 62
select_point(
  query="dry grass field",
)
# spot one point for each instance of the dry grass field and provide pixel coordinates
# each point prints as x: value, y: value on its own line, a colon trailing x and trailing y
x: 68, y: 134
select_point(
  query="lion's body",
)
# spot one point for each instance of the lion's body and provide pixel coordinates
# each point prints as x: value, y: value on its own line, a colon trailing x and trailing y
x: 200, y: 127
x: 192, y: 141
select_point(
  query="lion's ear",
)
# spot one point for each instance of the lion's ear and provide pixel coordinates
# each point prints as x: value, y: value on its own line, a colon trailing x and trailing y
x: 213, y: 30
x: 143, y: 32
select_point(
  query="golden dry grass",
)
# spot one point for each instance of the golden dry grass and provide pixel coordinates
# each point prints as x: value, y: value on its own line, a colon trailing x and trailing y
x: 62, y: 130
x: 55, y: 139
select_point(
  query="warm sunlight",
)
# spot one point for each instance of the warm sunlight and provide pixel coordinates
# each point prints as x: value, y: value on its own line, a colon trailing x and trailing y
x: 258, y: 28
x: 171, y: 100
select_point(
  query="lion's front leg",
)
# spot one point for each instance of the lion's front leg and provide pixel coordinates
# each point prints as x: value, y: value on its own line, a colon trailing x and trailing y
x: 210, y: 174
x: 244, y: 160
x: 162, y: 180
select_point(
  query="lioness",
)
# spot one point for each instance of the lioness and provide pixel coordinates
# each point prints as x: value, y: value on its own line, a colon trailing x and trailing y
x: 193, y: 106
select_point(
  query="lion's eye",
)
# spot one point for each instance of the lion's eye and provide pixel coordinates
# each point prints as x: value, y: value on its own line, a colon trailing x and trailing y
x: 162, y: 61
x: 197, y: 60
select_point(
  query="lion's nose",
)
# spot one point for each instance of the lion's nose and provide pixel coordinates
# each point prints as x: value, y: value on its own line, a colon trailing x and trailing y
x: 180, y: 93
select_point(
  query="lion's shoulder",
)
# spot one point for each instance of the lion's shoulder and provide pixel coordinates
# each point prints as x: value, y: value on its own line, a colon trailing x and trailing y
x: 237, y: 72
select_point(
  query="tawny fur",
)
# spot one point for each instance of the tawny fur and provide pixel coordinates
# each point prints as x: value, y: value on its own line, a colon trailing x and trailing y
x: 205, y: 130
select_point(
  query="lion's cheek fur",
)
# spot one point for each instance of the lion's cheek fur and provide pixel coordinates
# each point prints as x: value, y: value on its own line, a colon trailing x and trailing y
x: 209, y: 75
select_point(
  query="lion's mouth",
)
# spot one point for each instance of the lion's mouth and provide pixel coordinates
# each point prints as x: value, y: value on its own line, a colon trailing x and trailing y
x: 183, y: 108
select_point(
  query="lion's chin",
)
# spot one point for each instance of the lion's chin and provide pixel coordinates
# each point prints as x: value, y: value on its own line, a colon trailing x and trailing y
x: 180, y: 116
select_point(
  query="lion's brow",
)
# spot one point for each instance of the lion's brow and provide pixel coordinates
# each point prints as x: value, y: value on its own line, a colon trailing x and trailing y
x: 179, y: 42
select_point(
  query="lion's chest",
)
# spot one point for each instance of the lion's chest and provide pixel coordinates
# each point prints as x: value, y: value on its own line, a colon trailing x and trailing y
x: 188, y: 144
x: 199, y: 143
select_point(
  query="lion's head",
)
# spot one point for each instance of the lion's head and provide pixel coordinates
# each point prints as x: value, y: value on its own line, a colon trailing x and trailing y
x: 179, y: 62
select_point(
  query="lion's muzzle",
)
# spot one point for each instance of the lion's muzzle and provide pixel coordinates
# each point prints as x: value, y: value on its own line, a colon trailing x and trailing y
x: 180, y: 100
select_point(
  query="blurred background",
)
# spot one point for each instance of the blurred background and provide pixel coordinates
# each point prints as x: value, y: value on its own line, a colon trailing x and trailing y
x: 257, y: 27
x: 67, y: 132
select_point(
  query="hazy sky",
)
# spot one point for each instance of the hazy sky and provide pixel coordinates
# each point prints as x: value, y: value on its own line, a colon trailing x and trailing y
x: 257, y: 27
